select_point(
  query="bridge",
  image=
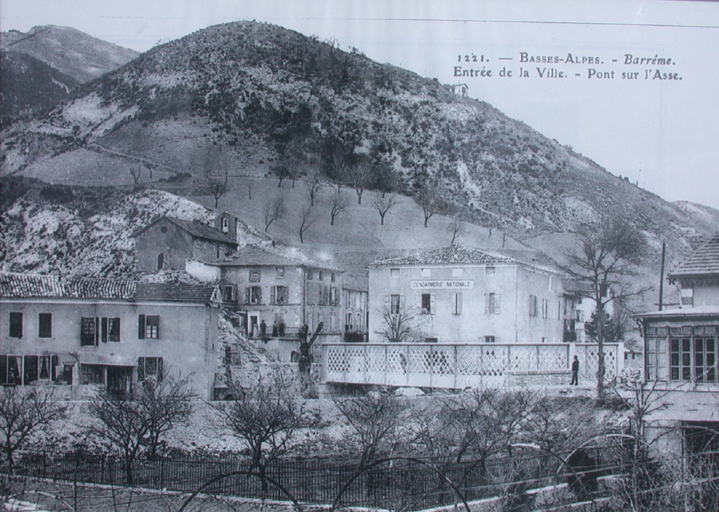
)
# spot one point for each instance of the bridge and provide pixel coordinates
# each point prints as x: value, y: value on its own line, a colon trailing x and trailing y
x: 461, y: 365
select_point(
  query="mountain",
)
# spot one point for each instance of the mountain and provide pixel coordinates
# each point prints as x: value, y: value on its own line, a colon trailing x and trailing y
x: 255, y: 99
x: 69, y: 51
x: 29, y: 85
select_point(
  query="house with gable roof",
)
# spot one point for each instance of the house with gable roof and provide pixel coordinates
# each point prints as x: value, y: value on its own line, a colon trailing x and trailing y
x: 168, y: 242
x: 681, y: 346
x: 80, y: 333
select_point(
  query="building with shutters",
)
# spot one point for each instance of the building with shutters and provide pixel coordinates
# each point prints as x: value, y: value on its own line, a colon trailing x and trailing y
x: 81, y: 332
x: 681, y: 345
x: 276, y: 294
x: 462, y: 295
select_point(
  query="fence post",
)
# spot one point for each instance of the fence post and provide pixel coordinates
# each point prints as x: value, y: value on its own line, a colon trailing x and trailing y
x: 162, y: 473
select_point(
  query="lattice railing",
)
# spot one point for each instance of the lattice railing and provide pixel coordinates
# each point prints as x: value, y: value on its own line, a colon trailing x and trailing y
x: 448, y: 365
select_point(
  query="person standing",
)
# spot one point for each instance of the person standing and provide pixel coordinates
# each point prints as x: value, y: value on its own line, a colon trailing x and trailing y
x: 575, y: 372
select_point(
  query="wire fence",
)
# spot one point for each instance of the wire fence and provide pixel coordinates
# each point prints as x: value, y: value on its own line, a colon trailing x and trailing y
x: 396, y: 483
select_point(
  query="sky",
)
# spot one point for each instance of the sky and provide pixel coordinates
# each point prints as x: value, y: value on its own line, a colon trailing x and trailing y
x: 654, y: 121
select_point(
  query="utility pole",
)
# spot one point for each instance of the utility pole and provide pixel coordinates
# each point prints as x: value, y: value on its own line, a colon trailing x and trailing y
x: 661, y: 277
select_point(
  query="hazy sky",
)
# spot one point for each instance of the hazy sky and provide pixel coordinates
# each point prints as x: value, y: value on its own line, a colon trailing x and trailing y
x: 662, y: 133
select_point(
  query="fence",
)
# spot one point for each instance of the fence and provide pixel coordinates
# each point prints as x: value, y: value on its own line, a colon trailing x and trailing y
x: 457, y: 366
x: 408, y: 482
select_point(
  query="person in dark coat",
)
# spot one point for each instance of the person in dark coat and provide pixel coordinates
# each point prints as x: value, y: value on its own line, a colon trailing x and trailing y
x: 575, y: 372
x: 263, y: 329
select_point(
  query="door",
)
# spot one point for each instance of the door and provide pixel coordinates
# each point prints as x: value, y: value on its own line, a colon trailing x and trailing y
x: 119, y: 379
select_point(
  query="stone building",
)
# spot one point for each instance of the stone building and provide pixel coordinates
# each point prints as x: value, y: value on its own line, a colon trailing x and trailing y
x: 167, y: 242
x: 83, y: 332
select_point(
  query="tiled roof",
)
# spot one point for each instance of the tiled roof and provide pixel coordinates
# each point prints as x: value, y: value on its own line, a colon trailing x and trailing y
x: 702, y: 262
x: 28, y: 286
x: 694, y: 311
x: 174, y: 292
x: 39, y: 286
x: 450, y: 255
x: 194, y: 228
x: 254, y: 255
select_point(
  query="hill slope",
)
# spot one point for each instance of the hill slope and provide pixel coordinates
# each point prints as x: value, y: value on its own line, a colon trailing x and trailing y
x: 70, y: 51
x: 252, y: 98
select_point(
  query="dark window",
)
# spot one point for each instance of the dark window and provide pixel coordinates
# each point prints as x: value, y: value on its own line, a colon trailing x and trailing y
x: 110, y: 329
x: 490, y: 339
x: 320, y: 275
x: 161, y: 261
x: 228, y: 293
x: 457, y: 304
x: 148, y: 327
x: 310, y: 275
x: 45, y: 325
x: 680, y: 358
x: 426, y: 303
x: 92, y: 374
x: 253, y: 295
x: 149, y: 367
x: 533, y: 309
x: 10, y: 370
x: 705, y: 359
x: 395, y: 305
x: 280, y: 295
x: 332, y: 277
x: 88, y: 332
x: 16, y: 325
x: 31, y: 373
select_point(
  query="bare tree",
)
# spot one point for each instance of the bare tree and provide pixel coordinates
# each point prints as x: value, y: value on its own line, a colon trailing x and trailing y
x: 376, y: 419
x: 136, y: 173
x: 359, y: 175
x: 274, y: 210
x: 217, y: 183
x: 266, y: 416
x: 166, y: 402
x: 456, y: 229
x: 339, y: 168
x: 307, y: 219
x: 23, y: 413
x: 429, y: 200
x: 313, y: 184
x: 383, y: 204
x: 337, y: 207
x: 604, y: 259
x: 398, y: 327
x: 133, y: 423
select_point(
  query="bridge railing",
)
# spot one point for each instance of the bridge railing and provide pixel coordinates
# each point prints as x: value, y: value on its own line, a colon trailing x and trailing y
x: 455, y: 365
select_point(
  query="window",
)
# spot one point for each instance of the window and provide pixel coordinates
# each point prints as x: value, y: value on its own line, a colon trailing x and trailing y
x: 92, y: 374
x: 110, y: 329
x: 310, y: 275
x: 15, y: 325
x: 533, y: 305
x: 457, y: 304
x: 493, y: 304
x: 394, y: 304
x: 228, y: 293
x: 148, y: 327
x: 44, y: 325
x: 88, y: 331
x: 280, y: 272
x: 394, y: 272
x: 426, y: 272
x: 161, y: 261
x: 279, y: 295
x: 490, y: 270
x: 705, y: 359
x: 427, y: 304
x: 490, y: 339
x: 253, y: 295
x: 149, y: 367
x: 39, y: 368
x: 332, y: 277
x: 545, y: 308
x: 687, y: 296
x: 680, y: 358
x: 320, y: 275
x: 254, y: 275
x: 348, y: 324
x: 225, y: 225
x: 580, y: 315
x: 10, y: 370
